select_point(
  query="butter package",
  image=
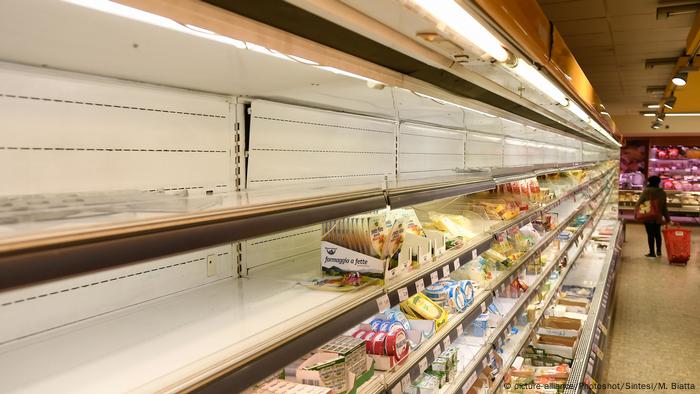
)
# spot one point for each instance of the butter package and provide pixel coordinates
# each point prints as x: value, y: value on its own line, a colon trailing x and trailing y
x: 419, y: 306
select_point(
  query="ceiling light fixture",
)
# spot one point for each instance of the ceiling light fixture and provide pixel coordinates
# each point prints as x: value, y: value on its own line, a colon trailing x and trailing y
x: 684, y: 114
x: 578, y: 111
x: 452, y: 15
x: 653, y: 106
x: 656, y: 125
x: 533, y: 76
x: 605, y: 113
x: 670, y: 102
x: 660, y: 117
x: 680, y: 79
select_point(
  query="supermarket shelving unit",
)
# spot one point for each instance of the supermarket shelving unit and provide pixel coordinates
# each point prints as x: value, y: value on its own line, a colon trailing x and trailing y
x: 161, y: 212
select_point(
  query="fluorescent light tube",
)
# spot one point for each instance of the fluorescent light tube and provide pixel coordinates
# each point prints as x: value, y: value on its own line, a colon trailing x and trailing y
x: 453, y: 16
x: 539, y: 81
x: 578, y: 111
x: 684, y: 114
x: 653, y: 106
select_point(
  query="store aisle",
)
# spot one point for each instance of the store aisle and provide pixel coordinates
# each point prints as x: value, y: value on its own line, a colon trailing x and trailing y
x: 656, y: 329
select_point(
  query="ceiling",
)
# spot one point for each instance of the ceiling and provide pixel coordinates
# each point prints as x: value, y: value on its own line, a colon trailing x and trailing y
x: 611, y: 40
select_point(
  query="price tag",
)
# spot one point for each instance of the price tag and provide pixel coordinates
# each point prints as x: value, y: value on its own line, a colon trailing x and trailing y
x: 602, y: 327
x: 503, y: 288
x: 460, y: 330
x: 403, y: 294
x: 446, y: 271
x: 509, y: 329
x: 456, y: 264
x: 483, y: 307
x: 383, y: 303
x: 420, y: 285
x: 484, y: 363
x: 423, y: 364
x: 433, y: 277
x: 406, y: 383
x: 470, y: 382
x: 597, y: 351
x: 446, y: 342
x: 474, y: 254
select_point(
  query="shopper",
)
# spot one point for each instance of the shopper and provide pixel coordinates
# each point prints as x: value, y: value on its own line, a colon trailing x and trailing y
x: 656, y: 195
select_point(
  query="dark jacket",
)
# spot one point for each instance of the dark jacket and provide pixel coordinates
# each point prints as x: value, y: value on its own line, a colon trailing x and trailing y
x: 658, y: 194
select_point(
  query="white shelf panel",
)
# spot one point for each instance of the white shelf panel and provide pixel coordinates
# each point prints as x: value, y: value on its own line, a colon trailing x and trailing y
x: 175, y: 340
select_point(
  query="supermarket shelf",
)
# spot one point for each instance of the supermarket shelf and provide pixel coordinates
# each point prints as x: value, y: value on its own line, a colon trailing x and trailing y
x: 37, y: 256
x: 593, y: 328
x: 673, y: 160
x: 452, y: 260
x: 410, y: 368
x: 229, y: 356
x: 510, y: 174
x: 529, y: 330
x: 242, y: 328
x: 54, y: 249
x: 407, y: 193
x: 507, y: 322
x: 414, y: 365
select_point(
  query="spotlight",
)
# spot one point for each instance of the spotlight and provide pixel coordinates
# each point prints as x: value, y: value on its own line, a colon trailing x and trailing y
x: 660, y: 117
x: 680, y: 79
x: 670, y: 102
x: 656, y: 125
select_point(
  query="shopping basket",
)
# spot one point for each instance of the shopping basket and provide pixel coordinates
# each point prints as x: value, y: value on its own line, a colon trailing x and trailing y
x: 677, y: 241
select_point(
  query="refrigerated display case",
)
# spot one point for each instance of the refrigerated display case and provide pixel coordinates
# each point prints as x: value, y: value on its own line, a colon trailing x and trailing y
x: 218, y: 210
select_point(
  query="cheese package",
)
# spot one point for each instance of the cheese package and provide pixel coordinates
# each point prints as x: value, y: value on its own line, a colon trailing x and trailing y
x: 420, y: 306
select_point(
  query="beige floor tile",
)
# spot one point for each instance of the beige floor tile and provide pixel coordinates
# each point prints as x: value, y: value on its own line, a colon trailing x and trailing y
x: 655, y: 335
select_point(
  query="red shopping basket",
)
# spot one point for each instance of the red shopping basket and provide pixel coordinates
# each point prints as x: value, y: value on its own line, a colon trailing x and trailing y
x: 677, y: 244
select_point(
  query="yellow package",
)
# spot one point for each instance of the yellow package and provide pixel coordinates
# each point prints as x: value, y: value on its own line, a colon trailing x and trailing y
x: 421, y: 306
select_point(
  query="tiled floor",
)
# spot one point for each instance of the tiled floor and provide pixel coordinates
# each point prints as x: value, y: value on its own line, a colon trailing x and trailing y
x: 655, y: 335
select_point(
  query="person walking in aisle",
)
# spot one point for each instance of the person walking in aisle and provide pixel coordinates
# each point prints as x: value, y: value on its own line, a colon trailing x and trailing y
x: 657, y: 197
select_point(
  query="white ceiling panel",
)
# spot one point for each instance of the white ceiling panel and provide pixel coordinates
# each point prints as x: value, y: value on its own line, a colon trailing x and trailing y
x: 650, y: 35
x: 589, y: 40
x: 612, y: 39
x: 577, y: 9
x: 583, y: 26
